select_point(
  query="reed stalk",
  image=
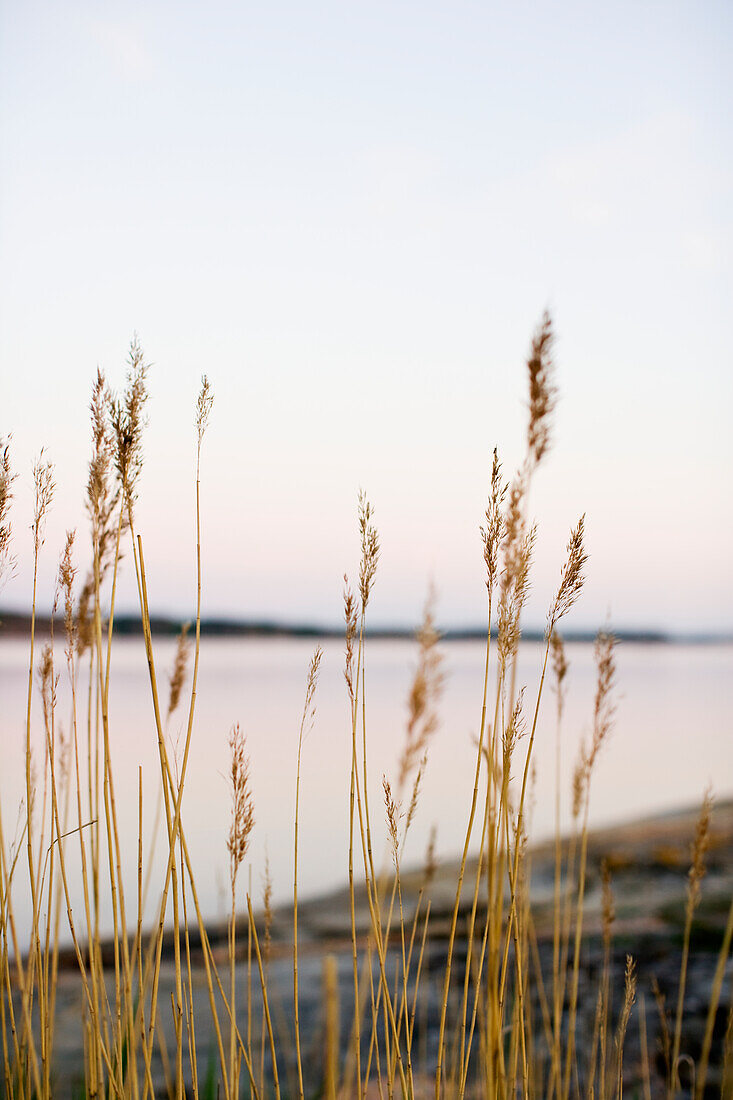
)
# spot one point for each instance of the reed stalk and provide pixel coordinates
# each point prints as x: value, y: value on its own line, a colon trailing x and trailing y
x: 696, y: 873
x: 305, y: 723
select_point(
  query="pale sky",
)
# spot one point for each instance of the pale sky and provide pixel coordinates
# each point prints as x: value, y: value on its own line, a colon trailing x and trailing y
x: 351, y: 215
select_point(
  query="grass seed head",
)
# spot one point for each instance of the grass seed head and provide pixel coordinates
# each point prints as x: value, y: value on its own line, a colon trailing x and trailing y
x: 665, y: 1038
x: 491, y: 534
x: 604, y: 708
x: 513, y: 530
x: 350, y: 617
x: 47, y: 684
x: 513, y: 597
x: 243, y: 817
x: 309, y: 710
x: 608, y: 909
x: 580, y: 774
x: 267, y: 905
x: 431, y: 862
x: 34, y: 785
x: 414, y: 797
x: 84, y: 616
x: 203, y: 408
x: 559, y: 668
x: 559, y: 660
x: 542, y: 389
x: 393, y: 813
x: 369, y: 550
x: 629, y: 998
x: 102, y: 495
x: 425, y: 692
x: 67, y: 572
x: 44, y: 486
x: 700, y: 845
x: 517, y: 546
x: 63, y: 749
x: 572, y: 577
x: 178, y: 674
x: 514, y: 730
x: 128, y: 423
x: 7, y: 477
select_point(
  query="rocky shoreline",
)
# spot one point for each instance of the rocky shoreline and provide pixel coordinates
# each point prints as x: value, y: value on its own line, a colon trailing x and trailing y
x: 648, y: 861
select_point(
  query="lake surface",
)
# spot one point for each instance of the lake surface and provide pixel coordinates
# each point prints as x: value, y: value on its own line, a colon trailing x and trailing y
x: 672, y: 737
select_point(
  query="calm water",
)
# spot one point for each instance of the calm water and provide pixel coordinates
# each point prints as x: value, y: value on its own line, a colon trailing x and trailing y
x: 673, y: 736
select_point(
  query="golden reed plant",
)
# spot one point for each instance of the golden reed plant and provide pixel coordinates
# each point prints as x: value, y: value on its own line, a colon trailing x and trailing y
x: 488, y: 1039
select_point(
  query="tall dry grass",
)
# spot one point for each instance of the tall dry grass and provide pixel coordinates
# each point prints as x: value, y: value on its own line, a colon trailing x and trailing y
x: 503, y: 1022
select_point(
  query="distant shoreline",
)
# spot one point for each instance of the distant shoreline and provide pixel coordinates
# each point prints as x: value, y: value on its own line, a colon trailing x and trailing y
x: 14, y: 624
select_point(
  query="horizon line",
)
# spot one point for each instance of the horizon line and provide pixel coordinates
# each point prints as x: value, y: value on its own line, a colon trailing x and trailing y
x: 16, y: 623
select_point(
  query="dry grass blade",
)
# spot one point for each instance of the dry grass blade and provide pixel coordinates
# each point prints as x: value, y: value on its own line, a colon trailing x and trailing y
x: 331, y: 1042
x: 603, y: 713
x: 695, y: 876
x: 726, y: 1090
x: 242, y: 823
x: 608, y: 907
x: 306, y: 724
x: 717, y: 986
